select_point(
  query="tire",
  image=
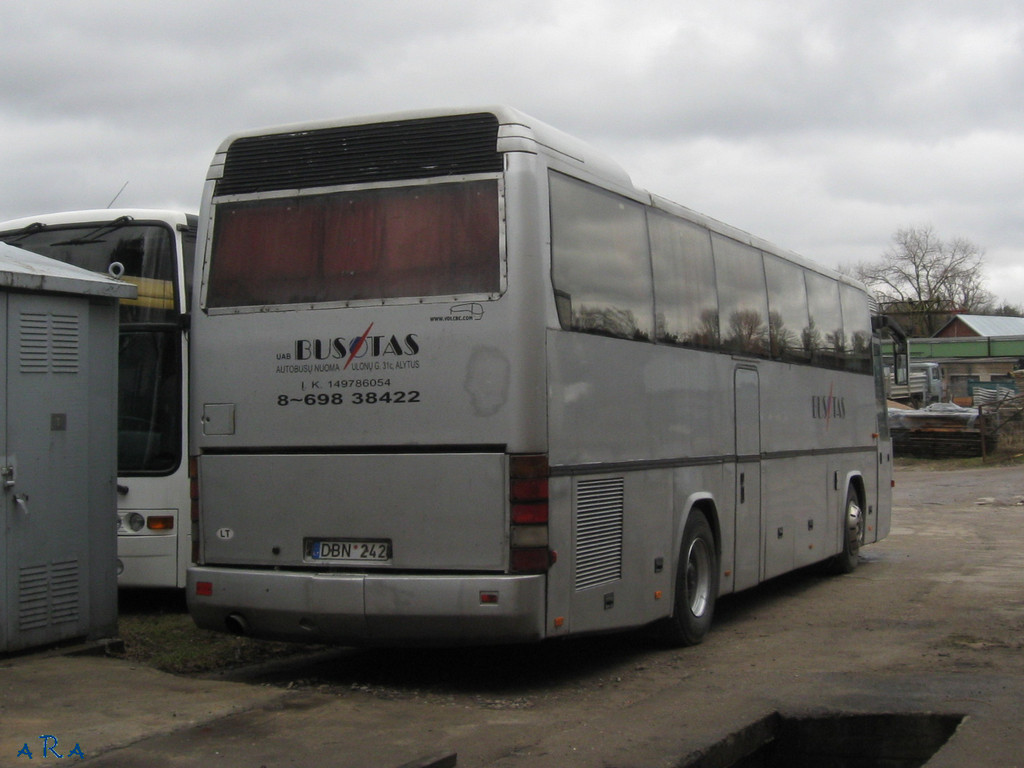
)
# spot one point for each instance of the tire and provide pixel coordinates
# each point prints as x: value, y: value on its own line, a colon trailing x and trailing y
x: 696, y: 585
x: 852, y: 523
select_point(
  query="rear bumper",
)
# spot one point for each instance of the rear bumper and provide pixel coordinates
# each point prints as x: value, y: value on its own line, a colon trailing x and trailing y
x: 148, y: 561
x: 369, y: 609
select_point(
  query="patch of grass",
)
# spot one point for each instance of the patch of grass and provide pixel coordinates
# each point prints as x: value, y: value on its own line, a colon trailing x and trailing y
x: 173, y: 643
x: 157, y: 631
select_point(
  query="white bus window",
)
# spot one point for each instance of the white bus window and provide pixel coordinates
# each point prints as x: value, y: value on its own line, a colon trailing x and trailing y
x: 856, y: 329
x: 824, y: 335
x: 787, y: 310
x: 149, y: 400
x: 686, y: 303
x: 742, y: 297
x: 394, y: 242
x: 600, y: 261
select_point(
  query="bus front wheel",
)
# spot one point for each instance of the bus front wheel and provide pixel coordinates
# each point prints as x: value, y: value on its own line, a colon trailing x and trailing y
x: 853, y: 534
x: 696, y: 584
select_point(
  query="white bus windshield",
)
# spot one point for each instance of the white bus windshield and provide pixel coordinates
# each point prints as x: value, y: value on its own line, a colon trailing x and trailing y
x: 146, y: 251
x: 437, y: 239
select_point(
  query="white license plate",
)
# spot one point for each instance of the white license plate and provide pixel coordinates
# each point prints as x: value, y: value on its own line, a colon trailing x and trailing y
x: 348, y: 551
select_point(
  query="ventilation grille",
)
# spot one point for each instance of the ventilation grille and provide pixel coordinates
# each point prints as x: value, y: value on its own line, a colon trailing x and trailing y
x: 355, y: 154
x: 48, y: 595
x: 48, y: 343
x: 599, y: 507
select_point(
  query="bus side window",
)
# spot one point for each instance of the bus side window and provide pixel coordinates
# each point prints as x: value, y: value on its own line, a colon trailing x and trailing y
x: 684, y: 283
x: 742, y: 297
x: 787, y: 310
x: 856, y: 329
x: 600, y: 261
x: 825, y: 336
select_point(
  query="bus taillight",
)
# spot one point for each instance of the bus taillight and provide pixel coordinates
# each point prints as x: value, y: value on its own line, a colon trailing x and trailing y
x: 530, y: 560
x: 528, y: 497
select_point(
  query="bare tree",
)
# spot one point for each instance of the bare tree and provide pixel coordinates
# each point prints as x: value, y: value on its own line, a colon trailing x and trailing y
x: 925, y: 280
x: 1005, y: 309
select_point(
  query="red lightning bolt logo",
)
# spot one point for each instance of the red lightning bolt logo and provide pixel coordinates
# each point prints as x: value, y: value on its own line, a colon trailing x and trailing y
x: 828, y: 407
x: 357, y: 346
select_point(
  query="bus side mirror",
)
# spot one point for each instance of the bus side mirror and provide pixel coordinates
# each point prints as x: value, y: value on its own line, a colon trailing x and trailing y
x: 901, y: 368
x: 900, y: 347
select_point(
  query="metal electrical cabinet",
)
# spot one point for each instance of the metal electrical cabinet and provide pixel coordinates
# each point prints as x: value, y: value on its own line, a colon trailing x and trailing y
x: 58, y: 450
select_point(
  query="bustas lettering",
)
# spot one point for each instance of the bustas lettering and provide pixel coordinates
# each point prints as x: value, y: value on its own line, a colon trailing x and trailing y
x: 828, y: 407
x: 339, y: 347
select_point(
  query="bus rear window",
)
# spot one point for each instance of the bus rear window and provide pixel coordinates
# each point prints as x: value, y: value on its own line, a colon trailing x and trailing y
x: 385, y: 243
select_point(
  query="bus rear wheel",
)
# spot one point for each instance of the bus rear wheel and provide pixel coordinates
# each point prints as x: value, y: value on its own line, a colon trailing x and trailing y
x: 696, y: 585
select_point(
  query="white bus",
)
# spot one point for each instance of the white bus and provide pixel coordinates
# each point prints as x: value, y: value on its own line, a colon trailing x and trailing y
x: 155, y: 250
x: 456, y: 380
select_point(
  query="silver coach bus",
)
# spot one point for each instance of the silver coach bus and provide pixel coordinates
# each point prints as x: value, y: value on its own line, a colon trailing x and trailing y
x: 456, y: 380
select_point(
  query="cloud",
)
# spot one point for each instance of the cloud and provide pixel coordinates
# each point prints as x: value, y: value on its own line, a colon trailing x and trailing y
x: 821, y: 125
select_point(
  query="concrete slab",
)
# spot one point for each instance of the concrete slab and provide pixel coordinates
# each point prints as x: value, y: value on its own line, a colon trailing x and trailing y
x: 931, y: 622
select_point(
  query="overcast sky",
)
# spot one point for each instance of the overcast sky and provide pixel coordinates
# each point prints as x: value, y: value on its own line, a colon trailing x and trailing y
x: 823, y: 126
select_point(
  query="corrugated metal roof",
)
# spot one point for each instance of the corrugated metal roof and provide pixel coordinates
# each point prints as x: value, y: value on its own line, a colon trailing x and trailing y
x: 992, y: 325
x: 29, y: 271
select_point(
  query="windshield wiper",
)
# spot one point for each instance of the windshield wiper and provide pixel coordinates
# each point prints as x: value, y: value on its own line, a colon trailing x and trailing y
x: 91, y: 237
x: 31, y: 229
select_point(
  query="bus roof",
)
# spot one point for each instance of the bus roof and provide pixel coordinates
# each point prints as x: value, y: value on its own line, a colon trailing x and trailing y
x: 517, y: 132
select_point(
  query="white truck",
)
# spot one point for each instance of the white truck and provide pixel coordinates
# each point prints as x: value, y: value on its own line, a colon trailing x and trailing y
x: 924, y: 387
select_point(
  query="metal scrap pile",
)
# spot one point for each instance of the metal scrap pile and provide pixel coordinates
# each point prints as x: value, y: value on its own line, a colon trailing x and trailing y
x: 942, y: 430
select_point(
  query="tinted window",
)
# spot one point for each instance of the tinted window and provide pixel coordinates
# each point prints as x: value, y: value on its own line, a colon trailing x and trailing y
x: 824, y: 335
x: 686, y: 302
x: 742, y: 298
x: 856, y: 329
x: 711, y: 291
x: 787, y: 310
x: 600, y: 261
x: 394, y: 242
x: 149, y: 401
